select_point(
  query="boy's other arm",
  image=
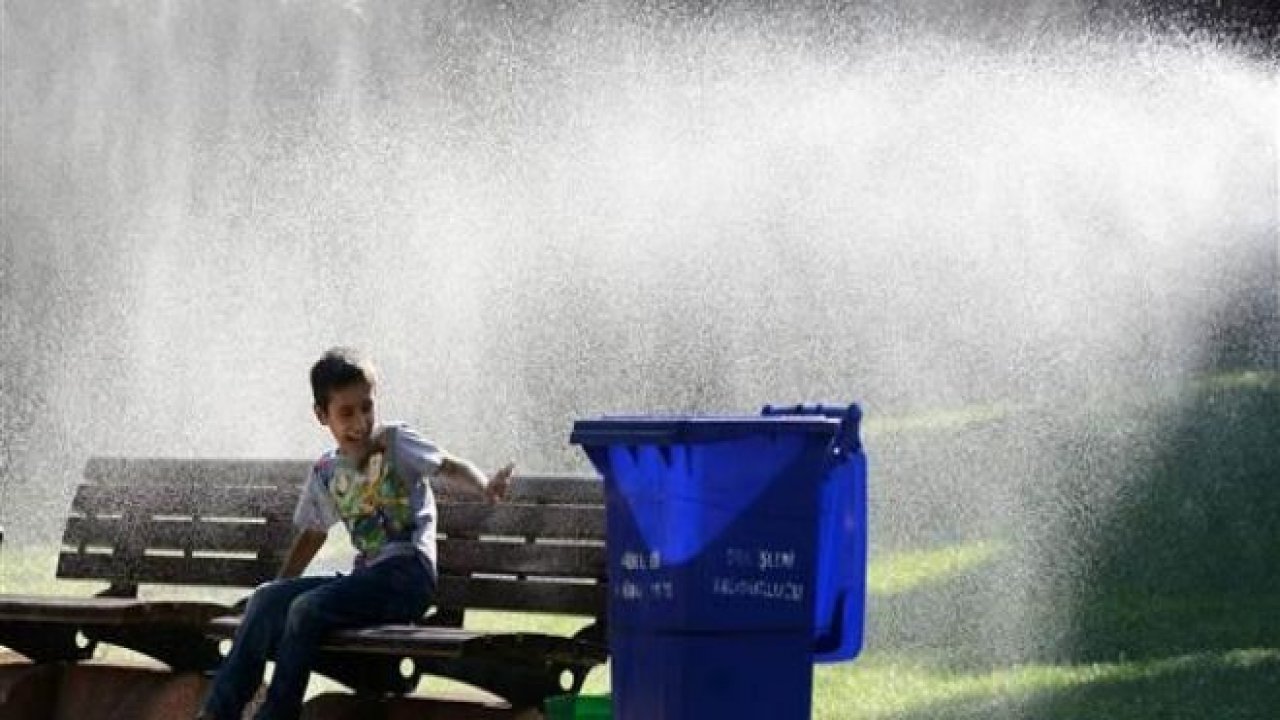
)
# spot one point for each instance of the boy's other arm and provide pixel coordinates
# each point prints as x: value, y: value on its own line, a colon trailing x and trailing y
x: 465, y: 476
x: 305, y: 546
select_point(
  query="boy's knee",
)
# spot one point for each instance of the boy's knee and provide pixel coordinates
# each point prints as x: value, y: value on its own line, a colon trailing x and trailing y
x: 305, y: 616
x: 265, y: 596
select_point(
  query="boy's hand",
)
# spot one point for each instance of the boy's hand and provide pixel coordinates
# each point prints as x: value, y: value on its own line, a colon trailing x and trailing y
x: 378, y: 441
x: 499, y: 483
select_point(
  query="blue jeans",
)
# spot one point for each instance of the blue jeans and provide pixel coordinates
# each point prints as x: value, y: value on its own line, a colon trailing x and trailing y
x: 287, y: 619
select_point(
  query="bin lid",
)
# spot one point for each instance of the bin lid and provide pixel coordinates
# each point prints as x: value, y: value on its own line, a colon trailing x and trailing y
x: 682, y: 429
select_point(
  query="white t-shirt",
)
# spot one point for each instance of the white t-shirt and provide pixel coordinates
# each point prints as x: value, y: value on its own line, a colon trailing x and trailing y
x: 387, y: 507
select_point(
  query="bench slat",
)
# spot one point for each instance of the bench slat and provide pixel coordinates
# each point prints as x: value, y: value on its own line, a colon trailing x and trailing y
x: 539, y: 596
x: 556, y: 489
x: 413, y: 640
x: 207, y: 501
x: 106, y: 610
x: 152, y: 471
x: 390, y: 636
x: 170, y: 570
x: 508, y: 519
x: 463, y: 556
x: 559, y: 489
x: 176, y: 534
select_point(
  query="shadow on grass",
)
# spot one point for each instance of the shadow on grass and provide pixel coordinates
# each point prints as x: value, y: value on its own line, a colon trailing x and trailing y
x: 1138, y: 562
x: 1241, y: 684
x: 1189, y: 557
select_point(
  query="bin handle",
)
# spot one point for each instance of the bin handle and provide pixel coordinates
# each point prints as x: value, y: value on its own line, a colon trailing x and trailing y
x: 847, y: 440
x: 832, y: 640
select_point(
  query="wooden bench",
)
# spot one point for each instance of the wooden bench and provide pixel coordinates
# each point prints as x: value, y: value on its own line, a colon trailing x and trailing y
x: 227, y: 523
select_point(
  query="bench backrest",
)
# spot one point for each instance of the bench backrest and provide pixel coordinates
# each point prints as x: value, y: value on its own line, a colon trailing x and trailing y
x: 228, y: 523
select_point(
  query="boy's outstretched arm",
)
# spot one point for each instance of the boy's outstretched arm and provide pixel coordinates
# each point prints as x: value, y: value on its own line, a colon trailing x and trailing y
x: 305, y: 546
x: 465, y: 476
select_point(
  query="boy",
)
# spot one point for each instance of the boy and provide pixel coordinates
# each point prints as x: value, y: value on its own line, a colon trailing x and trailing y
x: 376, y: 483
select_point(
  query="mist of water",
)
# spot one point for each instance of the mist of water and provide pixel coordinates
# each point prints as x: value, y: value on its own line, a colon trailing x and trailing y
x: 533, y: 215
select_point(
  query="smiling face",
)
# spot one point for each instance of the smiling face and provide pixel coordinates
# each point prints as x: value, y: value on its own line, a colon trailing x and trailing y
x: 349, y: 415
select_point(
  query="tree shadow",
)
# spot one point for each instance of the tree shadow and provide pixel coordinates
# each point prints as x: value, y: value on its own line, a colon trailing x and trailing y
x: 1188, y: 558
x: 1139, y: 535
x: 1237, y: 685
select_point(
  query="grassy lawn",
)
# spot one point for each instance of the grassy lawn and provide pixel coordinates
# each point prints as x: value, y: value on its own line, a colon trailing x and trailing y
x: 1134, y: 575
x: 1239, y: 682
x: 1230, y: 684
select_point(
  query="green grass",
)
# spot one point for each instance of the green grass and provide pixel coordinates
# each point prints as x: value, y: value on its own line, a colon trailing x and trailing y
x: 1162, y: 600
x: 1240, y: 682
x: 1231, y: 684
x: 910, y: 570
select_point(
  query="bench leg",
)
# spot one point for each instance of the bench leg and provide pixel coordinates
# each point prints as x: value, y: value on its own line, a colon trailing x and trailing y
x: 27, y: 690
x: 367, y: 674
x: 44, y: 642
x: 522, y: 685
x: 181, y: 647
x: 111, y: 692
x: 523, y: 668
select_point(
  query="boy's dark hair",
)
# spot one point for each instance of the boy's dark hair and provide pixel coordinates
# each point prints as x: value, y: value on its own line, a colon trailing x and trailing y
x: 339, y: 367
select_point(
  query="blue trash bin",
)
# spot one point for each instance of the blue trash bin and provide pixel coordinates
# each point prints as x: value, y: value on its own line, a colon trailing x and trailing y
x: 842, y: 545
x: 737, y: 556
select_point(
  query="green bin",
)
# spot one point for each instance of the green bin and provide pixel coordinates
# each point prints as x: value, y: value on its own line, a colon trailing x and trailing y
x: 579, y: 707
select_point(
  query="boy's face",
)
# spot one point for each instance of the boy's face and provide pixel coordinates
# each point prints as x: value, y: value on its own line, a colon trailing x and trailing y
x: 349, y: 416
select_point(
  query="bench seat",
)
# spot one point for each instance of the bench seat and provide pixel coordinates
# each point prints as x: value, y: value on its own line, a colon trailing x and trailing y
x: 66, y: 629
x: 427, y: 641
x: 100, y: 610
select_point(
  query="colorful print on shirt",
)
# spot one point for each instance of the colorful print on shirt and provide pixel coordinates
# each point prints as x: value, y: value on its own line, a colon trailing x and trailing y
x: 373, y: 504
